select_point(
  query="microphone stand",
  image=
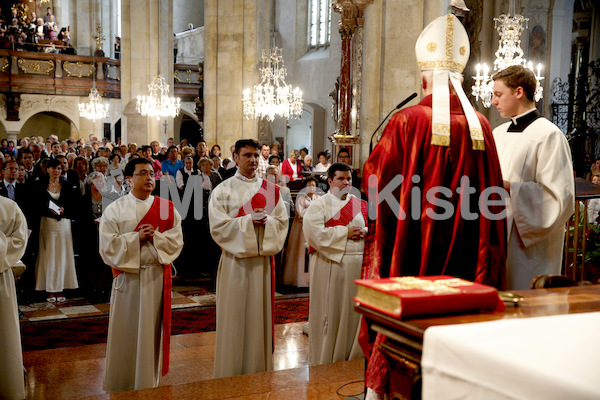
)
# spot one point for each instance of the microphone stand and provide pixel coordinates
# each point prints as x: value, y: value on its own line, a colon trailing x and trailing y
x: 399, y: 106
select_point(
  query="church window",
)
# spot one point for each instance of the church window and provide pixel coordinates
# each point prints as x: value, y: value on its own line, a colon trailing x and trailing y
x: 319, y: 24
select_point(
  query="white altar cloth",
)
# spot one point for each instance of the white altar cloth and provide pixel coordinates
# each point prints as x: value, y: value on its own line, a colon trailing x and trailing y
x: 556, y: 357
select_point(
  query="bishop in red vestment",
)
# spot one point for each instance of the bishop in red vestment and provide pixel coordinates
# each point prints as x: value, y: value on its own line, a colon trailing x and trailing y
x: 434, y: 185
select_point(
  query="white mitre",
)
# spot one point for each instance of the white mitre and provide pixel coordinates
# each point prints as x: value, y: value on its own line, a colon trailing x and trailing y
x: 443, y: 47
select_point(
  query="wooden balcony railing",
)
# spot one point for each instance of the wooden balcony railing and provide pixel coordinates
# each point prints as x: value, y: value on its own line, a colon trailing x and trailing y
x: 64, y: 74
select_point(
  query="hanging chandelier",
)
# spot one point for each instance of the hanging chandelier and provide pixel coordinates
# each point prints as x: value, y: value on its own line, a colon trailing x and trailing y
x: 272, y: 96
x: 95, y: 108
x: 158, y: 103
x: 510, y: 27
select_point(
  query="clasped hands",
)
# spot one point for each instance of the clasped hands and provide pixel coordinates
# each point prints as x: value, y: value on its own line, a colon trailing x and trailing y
x: 259, y: 216
x: 146, y: 233
x: 356, y: 233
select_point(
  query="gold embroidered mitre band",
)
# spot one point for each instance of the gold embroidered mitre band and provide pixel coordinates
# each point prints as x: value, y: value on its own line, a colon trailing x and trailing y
x: 443, y: 47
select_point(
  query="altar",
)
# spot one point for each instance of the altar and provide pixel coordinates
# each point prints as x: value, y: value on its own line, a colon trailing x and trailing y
x: 546, y: 347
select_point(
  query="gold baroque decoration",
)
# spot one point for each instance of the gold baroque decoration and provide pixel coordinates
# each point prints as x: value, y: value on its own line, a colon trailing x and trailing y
x: 189, y: 76
x: 431, y: 47
x: 78, y: 64
x: 109, y: 71
x: 346, y: 31
x: 441, y: 64
x: 449, y: 36
x: 5, y: 64
x: 462, y: 50
x: 34, y: 67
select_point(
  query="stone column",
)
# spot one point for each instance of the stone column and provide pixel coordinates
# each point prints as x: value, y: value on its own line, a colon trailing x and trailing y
x: 146, y: 50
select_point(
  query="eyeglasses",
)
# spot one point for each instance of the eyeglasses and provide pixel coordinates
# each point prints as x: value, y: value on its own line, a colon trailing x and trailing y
x: 145, y: 174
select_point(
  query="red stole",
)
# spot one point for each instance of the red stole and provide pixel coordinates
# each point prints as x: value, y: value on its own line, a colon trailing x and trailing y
x: 347, y: 214
x: 266, y: 198
x: 152, y: 217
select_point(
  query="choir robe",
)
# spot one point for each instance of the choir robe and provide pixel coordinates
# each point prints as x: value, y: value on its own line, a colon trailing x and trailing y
x: 417, y: 244
x: 244, y: 293
x: 334, y: 265
x: 13, y: 239
x: 133, y: 351
x: 535, y: 158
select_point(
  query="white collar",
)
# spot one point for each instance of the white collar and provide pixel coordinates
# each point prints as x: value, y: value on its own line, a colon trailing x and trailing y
x: 149, y: 199
x: 243, y: 178
x: 516, y: 117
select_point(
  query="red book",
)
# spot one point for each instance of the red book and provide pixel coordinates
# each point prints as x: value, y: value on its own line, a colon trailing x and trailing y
x: 410, y: 296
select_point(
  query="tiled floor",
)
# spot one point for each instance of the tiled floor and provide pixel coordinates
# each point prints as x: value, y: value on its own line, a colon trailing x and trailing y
x: 76, y: 372
x: 185, y: 294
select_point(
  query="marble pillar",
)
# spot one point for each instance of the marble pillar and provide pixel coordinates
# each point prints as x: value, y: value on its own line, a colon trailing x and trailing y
x: 146, y: 51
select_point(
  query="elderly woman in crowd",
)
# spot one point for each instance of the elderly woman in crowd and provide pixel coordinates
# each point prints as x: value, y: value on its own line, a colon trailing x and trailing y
x: 291, y: 166
x: 56, y: 204
x: 184, y: 174
x: 308, y: 163
x: 100, y: 164
x: 295, y: 271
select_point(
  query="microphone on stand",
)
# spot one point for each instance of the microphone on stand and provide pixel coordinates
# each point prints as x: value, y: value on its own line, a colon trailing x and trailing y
x: 399, y: 106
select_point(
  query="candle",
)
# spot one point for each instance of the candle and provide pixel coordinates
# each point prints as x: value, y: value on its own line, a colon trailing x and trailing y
x: 478, y: 68
x: 539, y: 68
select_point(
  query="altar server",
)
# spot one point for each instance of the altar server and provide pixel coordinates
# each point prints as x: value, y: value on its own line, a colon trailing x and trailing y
x: 140, y: 236
x: 13, y: 239
x: 538, y: 174
x: 334, y: 227
x: 249, y: 221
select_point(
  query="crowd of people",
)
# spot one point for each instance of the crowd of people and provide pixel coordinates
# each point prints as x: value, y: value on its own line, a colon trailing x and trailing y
x: 33, y: 33
x: 63, y: 187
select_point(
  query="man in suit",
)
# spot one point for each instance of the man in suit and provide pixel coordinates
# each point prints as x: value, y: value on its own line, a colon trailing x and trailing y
x: 9, y: 185
x: 26, y: 157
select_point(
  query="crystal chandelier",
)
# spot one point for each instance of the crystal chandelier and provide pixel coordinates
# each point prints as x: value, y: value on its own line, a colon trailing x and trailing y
x: 510, y: 27
x: 95, y: 108
x: 158, y: 103
x: 272, y: 96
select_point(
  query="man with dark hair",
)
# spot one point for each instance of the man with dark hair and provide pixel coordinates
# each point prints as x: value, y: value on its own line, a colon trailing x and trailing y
x: 538, y: 175
x: 172, y: 164
x: 9, y: 185
x: 56, y: 150
x: 26, y: 157
x: 156, y: 154
x: 140, y: 236
x: 334, y: 227
x: 248, y: 220
x: 344, y: 157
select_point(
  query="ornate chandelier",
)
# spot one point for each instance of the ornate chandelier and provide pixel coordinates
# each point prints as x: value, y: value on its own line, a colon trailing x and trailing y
x: 158, y: 103
x: 272, y: 96
x: 510, y: 27
x: 94, y: 109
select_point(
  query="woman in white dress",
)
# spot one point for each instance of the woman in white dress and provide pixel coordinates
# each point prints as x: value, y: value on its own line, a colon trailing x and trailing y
x: 295, y: 271
x: 57, y: 205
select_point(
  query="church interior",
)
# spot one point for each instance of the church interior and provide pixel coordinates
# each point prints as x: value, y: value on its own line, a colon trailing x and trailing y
x: 353, y: 61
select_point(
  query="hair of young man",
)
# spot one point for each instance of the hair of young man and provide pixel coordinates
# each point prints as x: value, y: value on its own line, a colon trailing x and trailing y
x: 240, y: 144
x: 172, y: 147
x: 23, y: 151
x: 130, y: 167
x: 343, y: 151
x: 342, y: 167
x: 517, y: 75
x: 8, y: 162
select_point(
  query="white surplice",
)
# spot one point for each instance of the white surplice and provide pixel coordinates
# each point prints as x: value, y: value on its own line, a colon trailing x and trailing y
x: 244, y: 330
x: 334, y: 265
x: 133, y: 351
x: 537, y: 163
x: 293, y: 271
x: 13, y: 238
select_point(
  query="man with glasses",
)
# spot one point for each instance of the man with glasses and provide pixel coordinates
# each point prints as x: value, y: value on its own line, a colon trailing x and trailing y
x: 344, y: 157
x: 140, y: 236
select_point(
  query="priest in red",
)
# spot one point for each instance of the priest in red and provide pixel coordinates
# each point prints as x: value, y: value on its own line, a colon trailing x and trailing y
x: 434, y: 185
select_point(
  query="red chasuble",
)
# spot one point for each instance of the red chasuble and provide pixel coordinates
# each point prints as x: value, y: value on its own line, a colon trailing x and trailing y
x: 347, y: 214
x: 266, y: 198
x: 152, y: 217
x: 418, y: 245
